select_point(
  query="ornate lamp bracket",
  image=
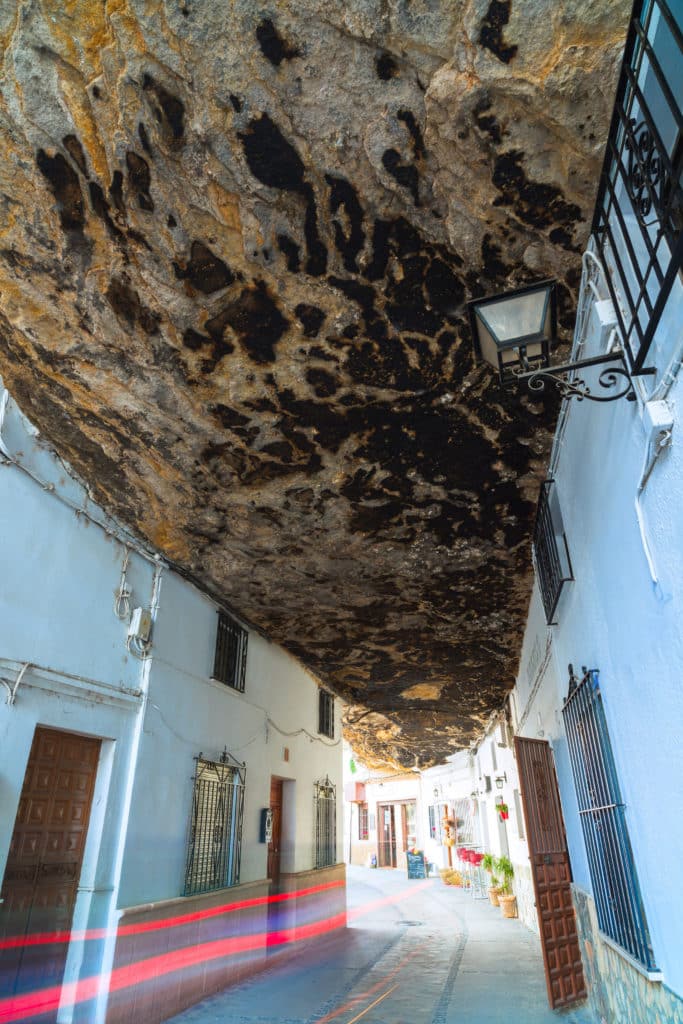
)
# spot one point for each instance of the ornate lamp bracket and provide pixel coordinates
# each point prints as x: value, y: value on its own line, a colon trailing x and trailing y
x: 615, y: 380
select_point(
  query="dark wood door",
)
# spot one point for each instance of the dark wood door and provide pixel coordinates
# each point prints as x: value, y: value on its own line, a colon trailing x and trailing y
x: 274, y: 844
x: 551, y: 872
x: 46, y: 850
x: 387, y: 836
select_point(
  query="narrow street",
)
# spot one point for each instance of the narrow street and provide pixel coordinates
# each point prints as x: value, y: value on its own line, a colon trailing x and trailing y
x: 415, y: 952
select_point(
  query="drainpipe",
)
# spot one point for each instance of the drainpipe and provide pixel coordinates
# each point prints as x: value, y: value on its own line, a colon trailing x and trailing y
x: 128, y: 785
x: 4, y: 399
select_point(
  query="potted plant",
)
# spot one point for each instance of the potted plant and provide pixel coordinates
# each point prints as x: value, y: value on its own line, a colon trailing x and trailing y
x: 503, y: 811
x: 488, y: 862
x: 506, y: 899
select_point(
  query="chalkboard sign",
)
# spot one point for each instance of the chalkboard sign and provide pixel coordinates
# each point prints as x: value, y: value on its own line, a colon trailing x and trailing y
x: 416, y: 865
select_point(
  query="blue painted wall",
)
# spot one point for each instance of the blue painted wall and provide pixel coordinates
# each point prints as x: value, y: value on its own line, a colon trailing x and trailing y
x: 615, y: 618
x: 59, y: 571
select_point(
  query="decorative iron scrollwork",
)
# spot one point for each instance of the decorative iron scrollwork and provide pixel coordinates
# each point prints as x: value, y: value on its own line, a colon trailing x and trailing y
x: 645, y: 173
x: 576, y: 387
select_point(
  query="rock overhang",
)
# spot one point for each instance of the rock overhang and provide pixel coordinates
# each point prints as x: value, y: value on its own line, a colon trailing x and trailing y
x: 235, y: 252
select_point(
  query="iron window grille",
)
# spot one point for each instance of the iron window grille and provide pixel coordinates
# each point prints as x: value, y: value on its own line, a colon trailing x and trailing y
x: 363, y: 832
x: 638, y: 219
x: 215, y: 838
x: 618, y: 901
x: 230, y: 661
x: 326, y: 714
x: 551, y: 553
x: 325, y: 818
x: 464, y: 822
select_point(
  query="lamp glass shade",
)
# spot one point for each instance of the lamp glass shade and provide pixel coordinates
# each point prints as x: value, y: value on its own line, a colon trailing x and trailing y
x: 508, y: 319
x: 514, y: 331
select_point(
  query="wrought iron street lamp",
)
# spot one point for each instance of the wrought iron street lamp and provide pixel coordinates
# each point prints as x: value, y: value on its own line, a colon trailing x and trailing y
x: 515, y: 332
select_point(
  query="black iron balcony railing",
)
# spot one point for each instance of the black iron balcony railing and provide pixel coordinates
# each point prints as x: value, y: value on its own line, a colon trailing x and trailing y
x: 638, y: 217
x: 551, y: 554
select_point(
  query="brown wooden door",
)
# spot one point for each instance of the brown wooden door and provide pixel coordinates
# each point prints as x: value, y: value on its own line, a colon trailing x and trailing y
x: 387, y: 836
x: 45, y: 855
x: 551, y: 872
x: 274, y: 844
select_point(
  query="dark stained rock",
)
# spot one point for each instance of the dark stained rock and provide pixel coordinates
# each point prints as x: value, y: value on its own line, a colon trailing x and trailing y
x: 257, y: 235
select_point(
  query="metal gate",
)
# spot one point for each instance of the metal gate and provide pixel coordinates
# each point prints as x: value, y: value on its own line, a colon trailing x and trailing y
x: 215, y: 841
x: 325, y: 800
x: 551, y: 872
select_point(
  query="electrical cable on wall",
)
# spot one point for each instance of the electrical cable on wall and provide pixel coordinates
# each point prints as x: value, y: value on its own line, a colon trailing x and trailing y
x: 109, y: 527
x: 123, y: 594
x: 12, y: 687
x: 298, y: 732
x: 652, y: 454
x: 140, y: 649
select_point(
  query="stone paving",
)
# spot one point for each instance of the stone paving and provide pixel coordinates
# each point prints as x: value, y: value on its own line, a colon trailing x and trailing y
x: 415, y: 952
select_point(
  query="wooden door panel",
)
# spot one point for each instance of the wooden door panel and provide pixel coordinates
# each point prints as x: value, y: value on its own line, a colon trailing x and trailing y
x: 46, y: 850
x: 551, y: 872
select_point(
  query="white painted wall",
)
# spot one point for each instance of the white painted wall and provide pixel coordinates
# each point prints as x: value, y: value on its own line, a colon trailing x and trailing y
x: 58, y: 571
x: 617, y: 618
x: 443, y: 784
x: 188, y: 712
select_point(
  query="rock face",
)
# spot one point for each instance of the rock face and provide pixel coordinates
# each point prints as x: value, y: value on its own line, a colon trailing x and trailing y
x: 236, y: 243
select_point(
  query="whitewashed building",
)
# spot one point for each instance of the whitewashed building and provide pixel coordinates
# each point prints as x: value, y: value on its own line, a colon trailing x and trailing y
x: 598, y: 703
x: 164, y: 769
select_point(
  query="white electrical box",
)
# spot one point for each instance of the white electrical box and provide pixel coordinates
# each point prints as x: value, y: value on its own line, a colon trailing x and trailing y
x: 140, y: 623
x: 657, y: 420
x: 602, y: 320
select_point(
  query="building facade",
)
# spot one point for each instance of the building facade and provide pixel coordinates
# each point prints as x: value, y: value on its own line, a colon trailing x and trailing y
x: 165, y: 771
x: 598, y: 688
x: 382, y: 816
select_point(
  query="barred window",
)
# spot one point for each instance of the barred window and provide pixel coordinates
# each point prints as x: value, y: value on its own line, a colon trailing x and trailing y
x: 464, y: 822
x: 230, y: 661
x: 215, y: 839
x: 551, y: 553
x: 325, y: 817
x: 433, y: 822
x: 326, y: 714
x: 618, y: 902
x: 363, y: 821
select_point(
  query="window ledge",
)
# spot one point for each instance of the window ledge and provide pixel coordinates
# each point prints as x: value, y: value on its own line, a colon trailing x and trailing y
x: 651, y: 975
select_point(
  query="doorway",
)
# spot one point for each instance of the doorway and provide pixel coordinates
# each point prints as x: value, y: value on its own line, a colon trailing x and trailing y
x: 551, y: 872
x: 45, y: 856
x: 274, y: 846
x: 386, y: 839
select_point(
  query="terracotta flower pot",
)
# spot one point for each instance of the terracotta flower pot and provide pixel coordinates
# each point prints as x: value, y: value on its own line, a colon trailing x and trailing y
x: 508, y: 904
x: 494, y: 893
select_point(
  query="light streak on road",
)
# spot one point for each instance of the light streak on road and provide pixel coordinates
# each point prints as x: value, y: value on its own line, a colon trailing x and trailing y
x: 22, y: 1006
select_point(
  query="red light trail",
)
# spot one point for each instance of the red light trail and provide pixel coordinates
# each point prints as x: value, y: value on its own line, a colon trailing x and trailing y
x: 20, y: 1007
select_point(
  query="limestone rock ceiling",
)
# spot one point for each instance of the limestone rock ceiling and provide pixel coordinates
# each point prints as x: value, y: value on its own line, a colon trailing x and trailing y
x: 236, y: 243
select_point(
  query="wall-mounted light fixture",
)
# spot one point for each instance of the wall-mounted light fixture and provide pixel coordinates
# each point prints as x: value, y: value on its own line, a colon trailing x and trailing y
x: 500, y: 780
x: 514, y: 332
x: 436, y: 793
